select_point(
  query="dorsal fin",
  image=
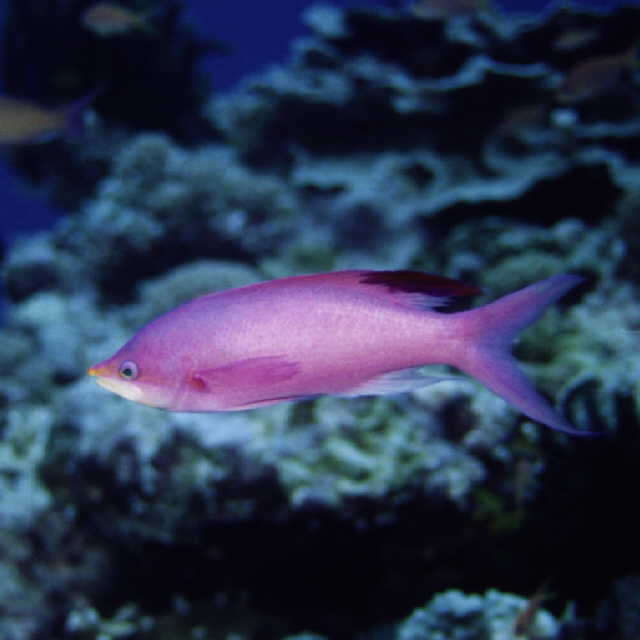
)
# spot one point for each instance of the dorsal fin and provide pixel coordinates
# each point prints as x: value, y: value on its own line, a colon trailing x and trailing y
x: 409, y: 289
x: 417, y: 289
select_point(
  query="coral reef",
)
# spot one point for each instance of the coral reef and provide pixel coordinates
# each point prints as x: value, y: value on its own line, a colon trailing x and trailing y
x: 457, y: 616
x: 388, y: 141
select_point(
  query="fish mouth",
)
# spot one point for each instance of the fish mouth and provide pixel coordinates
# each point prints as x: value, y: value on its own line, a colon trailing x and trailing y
x: 122, y: 388
x: 97, y: 370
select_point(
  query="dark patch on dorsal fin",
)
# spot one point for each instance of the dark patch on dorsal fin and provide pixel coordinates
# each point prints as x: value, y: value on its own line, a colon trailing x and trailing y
x: 419, y: 283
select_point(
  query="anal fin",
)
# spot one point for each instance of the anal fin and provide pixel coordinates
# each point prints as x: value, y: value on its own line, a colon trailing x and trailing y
x: 398, y: 381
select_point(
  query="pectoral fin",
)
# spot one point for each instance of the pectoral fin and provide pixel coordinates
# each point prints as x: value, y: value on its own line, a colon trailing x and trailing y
x: 248, y: 374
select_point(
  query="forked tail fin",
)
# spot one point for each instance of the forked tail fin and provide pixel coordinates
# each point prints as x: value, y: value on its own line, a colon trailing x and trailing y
x: 494, y: 328
x: 74, y: 114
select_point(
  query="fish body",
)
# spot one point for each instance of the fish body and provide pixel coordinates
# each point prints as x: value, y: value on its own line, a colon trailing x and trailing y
x: 346, y: 333
x: 106, y: 19
x: 595, y: 76
x: 573, y: 39
x: 445, y: 9
x: 23, y: 122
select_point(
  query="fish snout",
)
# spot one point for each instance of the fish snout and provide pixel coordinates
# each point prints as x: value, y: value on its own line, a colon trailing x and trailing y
x: 98, y: 370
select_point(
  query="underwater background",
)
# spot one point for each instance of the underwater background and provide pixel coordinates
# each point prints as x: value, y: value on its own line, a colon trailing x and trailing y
x: 228, y: 144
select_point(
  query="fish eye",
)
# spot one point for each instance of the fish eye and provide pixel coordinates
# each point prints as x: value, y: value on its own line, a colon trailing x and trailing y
x: 128, y: 370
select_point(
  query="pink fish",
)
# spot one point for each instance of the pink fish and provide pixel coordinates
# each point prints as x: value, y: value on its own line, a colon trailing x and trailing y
x: 348, y: 333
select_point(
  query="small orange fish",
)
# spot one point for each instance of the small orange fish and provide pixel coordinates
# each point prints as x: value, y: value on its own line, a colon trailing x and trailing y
x: 443, y: 9
x: 595, y: 76
x: 106, y: 20
x: 22, y: 121
x: 573, y: 39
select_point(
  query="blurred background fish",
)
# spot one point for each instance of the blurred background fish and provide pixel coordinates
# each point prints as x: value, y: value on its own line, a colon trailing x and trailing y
x: 596, y: 75
x: 23, y: 121
x: 106, y: 19
x: 443, y: 9
x: 573, y: 39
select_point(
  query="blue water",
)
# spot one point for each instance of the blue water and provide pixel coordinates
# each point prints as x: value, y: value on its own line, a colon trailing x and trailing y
x: 258, y: 33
